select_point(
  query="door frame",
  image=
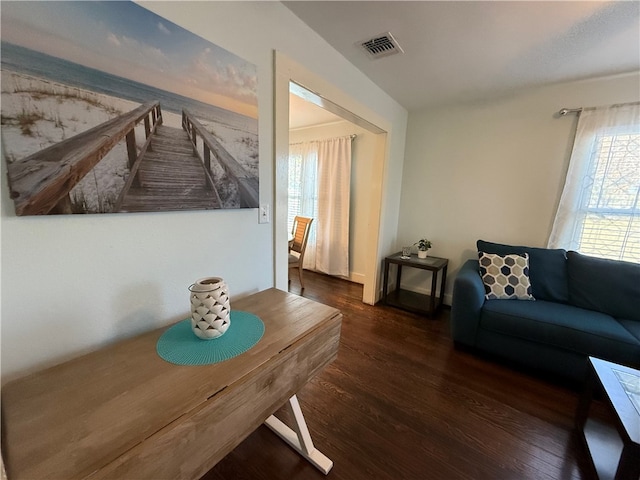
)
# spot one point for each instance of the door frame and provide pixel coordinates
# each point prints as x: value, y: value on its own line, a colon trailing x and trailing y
x: 333, y: 99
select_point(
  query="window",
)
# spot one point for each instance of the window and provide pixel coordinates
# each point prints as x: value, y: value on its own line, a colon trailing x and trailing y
x: 610, y: 224
x: 294, y: 190
x: 302, y: 186
x: 599, y: 212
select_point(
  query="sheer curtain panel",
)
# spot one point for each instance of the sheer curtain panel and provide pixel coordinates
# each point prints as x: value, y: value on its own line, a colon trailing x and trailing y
x: 334, y: 190
x: 320, y: 187
x: 303, y: 192
x: 599, y: 211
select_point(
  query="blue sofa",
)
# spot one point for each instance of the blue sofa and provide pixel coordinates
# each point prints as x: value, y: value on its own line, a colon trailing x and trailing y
x: 584, y: 306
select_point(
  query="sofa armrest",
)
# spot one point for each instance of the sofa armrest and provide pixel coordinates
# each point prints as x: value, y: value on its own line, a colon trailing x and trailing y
x: 466, y: 304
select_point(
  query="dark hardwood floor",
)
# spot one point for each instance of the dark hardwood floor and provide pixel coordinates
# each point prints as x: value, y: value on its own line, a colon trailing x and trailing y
x: 401, y: 402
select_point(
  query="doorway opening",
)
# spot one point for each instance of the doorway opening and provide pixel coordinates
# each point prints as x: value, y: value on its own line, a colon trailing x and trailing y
x: 293, y: 80
x: 344, y: 203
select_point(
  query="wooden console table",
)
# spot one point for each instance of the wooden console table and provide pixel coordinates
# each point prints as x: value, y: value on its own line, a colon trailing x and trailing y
x: 412, y: 301
x: 122, y: 412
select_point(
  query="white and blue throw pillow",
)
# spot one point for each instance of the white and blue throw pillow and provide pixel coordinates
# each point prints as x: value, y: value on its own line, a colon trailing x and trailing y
x: 505, y: 276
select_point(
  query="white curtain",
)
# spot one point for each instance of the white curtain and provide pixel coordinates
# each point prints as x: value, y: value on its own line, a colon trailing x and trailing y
x: 322, y: 171
x: 600, y: 205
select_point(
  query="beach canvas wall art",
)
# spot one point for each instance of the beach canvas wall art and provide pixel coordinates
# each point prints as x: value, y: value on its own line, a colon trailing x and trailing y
x: 107, y: 108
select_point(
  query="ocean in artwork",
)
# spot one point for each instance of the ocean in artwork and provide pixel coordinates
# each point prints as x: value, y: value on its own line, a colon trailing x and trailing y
x: 23, y: 60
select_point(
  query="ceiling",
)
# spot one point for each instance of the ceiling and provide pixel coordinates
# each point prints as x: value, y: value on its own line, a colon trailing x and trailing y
x: 304, y: 114
x: 457, y: 51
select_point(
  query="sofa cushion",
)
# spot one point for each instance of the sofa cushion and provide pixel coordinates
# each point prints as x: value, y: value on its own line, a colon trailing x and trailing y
x: 547, y: 269
x: 585, y: 332
x: 505, y: 276
x: 633, y: 327
x: 608, y: 286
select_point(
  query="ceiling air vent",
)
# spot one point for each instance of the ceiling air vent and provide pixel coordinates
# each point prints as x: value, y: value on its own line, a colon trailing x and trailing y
x: 381, y: 45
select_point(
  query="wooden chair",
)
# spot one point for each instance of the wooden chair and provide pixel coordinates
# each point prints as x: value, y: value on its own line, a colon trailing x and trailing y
x: 298, y: 244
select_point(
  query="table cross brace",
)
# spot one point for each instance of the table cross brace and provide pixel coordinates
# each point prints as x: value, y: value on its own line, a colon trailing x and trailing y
x: 299, y: 437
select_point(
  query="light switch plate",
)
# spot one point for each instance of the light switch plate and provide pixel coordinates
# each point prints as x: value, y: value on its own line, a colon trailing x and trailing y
x: 263, y: 213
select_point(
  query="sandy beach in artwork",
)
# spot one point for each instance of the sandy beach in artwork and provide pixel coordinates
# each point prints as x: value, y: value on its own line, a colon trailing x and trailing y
x: 37, y: 113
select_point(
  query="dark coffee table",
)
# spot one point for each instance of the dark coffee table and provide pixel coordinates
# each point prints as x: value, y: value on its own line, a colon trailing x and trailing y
x: 614, y: 450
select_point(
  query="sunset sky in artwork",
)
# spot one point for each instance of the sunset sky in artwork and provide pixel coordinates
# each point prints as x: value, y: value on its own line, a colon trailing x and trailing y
x: 124, y: 39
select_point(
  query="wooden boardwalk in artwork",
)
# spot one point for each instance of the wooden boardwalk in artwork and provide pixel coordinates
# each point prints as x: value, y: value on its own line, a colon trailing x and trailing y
x: 171, y: 170
x: 170, y: 177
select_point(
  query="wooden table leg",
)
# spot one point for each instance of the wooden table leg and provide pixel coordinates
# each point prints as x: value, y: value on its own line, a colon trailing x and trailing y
x: 385, y: 282
x: 629, y: 466
x: 584, y: 402
x: 299, y: 438
x: 398, y: 277
x: 443, y: 283
x: 432, y: 300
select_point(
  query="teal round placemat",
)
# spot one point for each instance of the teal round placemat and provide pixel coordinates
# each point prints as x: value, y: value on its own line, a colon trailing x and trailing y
x: 180, y: 345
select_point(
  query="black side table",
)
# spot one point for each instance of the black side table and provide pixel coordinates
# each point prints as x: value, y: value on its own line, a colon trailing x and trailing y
x: 412, y: 301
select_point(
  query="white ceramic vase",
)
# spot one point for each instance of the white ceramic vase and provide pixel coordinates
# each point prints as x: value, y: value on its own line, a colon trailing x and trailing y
x: 210, y: 308
x: 422, y: 253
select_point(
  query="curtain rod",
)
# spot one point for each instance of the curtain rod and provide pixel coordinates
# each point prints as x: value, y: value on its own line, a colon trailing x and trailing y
x: 566, y: 111
x: 352, y: 136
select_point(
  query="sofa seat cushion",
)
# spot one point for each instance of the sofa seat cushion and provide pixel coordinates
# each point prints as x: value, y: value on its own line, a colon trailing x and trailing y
x: 564, y: 326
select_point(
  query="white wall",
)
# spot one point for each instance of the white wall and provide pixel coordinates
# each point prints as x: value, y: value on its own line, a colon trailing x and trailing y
x: 363, y: 149
x: 493, y: 171
x: 72, y: 283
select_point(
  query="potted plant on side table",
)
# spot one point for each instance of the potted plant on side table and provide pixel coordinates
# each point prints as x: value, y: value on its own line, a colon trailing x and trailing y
x: 423, y: 246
